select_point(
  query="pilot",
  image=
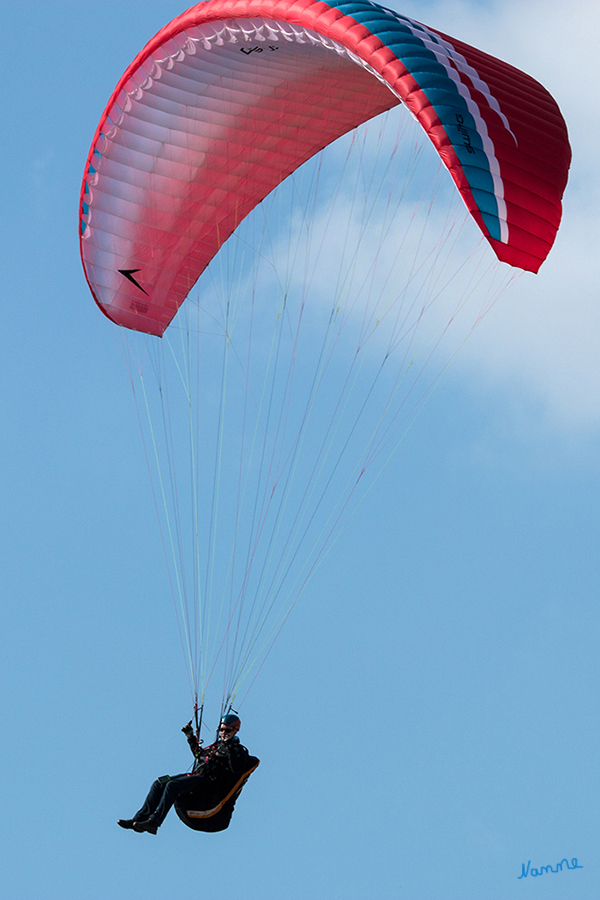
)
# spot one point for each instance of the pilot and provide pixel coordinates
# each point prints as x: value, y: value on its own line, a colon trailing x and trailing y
x: 211, y: 764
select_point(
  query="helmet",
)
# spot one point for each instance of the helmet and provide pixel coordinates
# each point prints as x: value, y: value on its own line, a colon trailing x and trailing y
x: 231, y: 721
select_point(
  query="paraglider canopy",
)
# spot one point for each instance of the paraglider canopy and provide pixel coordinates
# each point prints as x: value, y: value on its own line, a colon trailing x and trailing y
x: 233, y: 95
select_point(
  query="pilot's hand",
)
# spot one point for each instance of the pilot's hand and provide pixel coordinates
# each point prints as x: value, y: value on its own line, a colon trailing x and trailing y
x: 187, y: 729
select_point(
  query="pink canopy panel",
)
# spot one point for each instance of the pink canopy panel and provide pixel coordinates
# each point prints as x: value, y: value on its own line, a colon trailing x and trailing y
x: 231, y: 97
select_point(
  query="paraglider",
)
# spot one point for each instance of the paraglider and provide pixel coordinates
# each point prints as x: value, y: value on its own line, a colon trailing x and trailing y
x: 303, y: 359
x: 204, y: 799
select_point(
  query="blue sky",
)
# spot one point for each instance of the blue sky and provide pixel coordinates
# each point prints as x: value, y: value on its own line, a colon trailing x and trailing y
x: 427, y: 722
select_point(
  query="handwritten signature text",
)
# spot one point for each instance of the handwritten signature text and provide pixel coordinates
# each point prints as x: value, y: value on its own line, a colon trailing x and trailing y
x: 535, y: 872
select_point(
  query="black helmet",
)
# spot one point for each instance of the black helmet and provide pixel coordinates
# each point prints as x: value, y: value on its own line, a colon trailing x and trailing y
x: 231, y: 721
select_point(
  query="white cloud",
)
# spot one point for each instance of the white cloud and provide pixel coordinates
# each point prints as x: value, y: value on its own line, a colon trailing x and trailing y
x: 542, y: 340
